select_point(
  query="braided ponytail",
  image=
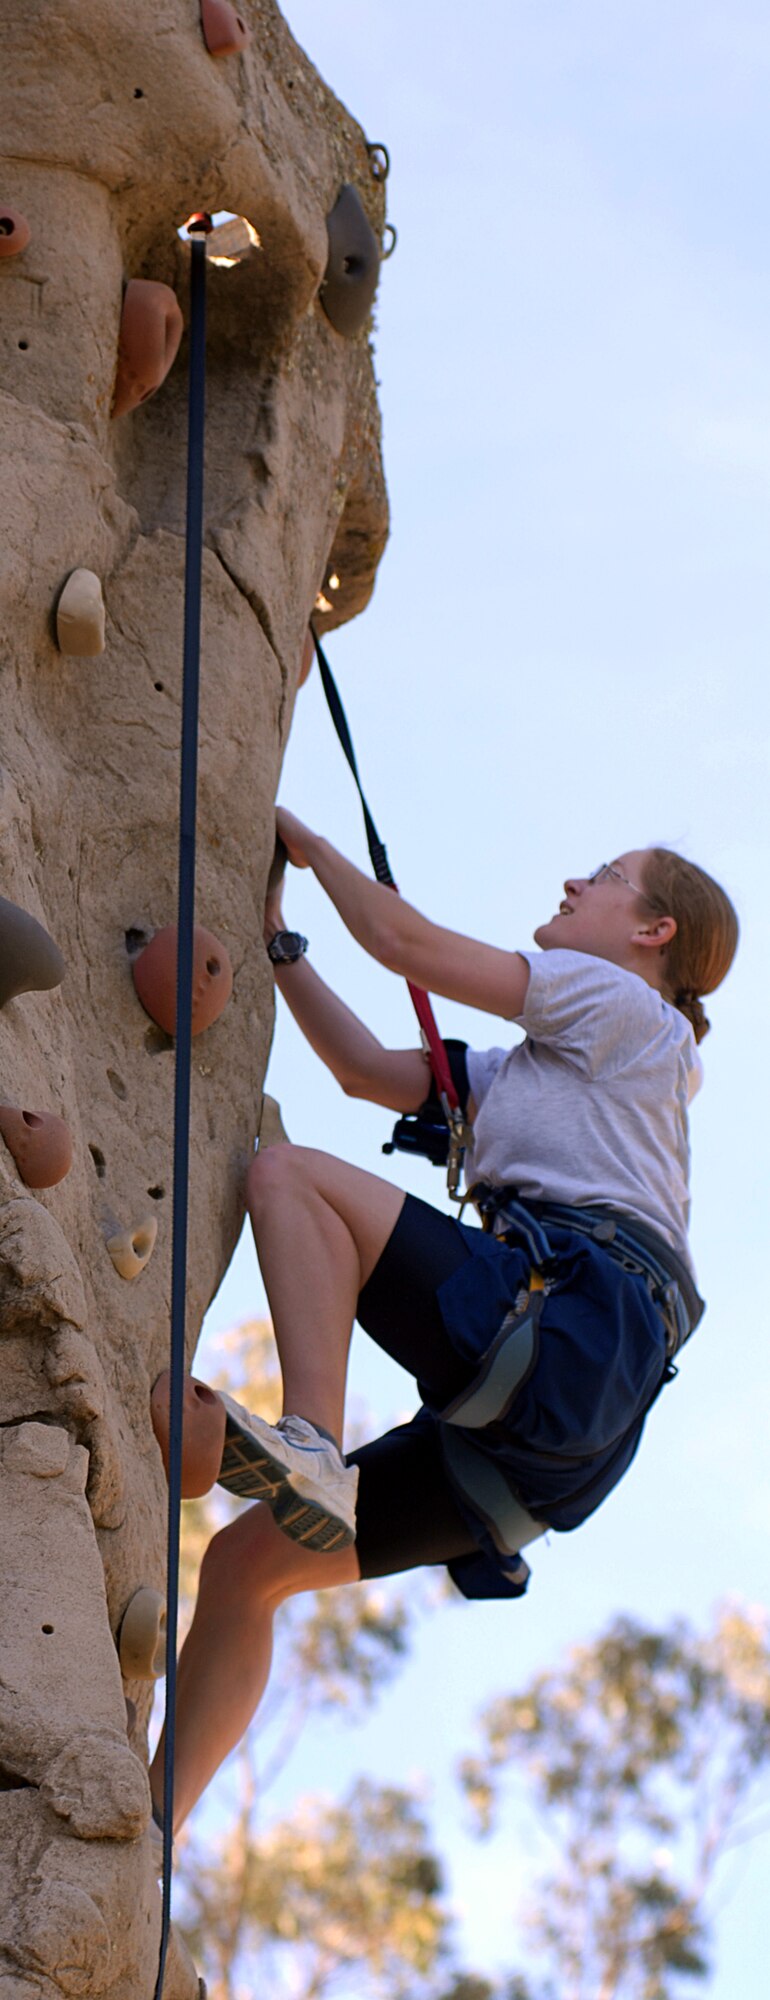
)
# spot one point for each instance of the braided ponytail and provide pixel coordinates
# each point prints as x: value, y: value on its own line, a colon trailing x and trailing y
x: 702, y: 950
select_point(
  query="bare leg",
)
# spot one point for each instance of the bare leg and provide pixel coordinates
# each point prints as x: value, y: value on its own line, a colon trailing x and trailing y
x: 320, y: 1227
x: 249, y: 1568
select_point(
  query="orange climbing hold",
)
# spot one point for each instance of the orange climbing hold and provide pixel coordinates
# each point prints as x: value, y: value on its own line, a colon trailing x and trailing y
x: 40, y: 1144
x: 154, y: 974
x: 150, y: 331
x: 14, y: 232
x: 224, y: 31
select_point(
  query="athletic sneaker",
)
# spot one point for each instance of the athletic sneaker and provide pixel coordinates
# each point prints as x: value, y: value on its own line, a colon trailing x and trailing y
x: 299, y: 1473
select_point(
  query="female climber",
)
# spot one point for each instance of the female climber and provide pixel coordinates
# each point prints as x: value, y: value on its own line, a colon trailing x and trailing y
x: 538, y: 1342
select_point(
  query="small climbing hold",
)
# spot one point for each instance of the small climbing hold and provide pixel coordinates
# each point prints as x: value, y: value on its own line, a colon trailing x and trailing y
x: 308, y: 656
x: 224, y: 31
x: 14, y: 232
x: 30, y: 962
x: 40, y: 1144
x: 80, y: 616
x: 150, y: 331
x: 142, y: 1636
x: 352, y: 269
x: 131, y: 1249
x: 154, y: 973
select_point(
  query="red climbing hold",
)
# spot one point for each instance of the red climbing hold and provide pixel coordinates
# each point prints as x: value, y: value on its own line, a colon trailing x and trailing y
x: 224, y: 31
x: 155, y: 978
x: 14, y: 231
x: 39, y: 1143
x: 150, y: 331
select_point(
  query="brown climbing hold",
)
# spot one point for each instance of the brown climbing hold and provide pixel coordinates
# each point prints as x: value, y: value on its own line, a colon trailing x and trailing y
x: 154, y: 973
x: 353, y: 265
x: 40, y: 1144
x: 30, y: 962
x: 131, y: 1249
x: 224, y: 31
x: 142, y: 1636
x: 14, y: 231
x: 150, y: 331
x: 80, y: 616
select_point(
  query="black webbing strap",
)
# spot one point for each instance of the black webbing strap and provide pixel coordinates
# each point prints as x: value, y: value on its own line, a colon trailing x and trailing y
x: 377, y: 850
x: 183, y: 1038
x: 442, y: 1074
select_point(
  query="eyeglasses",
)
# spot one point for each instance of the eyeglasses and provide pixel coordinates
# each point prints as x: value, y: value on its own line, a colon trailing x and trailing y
x: 609, y: 873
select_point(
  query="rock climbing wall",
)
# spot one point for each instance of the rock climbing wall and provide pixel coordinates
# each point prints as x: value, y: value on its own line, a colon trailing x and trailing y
x: 117, y: 121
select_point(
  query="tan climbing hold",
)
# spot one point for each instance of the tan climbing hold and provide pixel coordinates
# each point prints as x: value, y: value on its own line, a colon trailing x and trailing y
x: 80, y: 616
x: 131, y: 1249
x: 40, y: 1144
x: 150, y: 331
x: 142, y: 1636
x: 154, y: 975
x: 224, y: 31
x: 14, y: 231
x: 30, y: 962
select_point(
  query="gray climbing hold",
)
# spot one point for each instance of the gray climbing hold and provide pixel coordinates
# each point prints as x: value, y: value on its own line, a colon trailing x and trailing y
x: 353, y: 266
x: 30, y: 962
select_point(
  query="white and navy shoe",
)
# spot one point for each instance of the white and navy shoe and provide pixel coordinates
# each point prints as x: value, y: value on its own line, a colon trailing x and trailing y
x: 298, y: 1472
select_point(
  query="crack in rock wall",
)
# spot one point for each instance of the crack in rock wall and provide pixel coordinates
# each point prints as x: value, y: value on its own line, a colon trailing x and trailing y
x: 117, y: 121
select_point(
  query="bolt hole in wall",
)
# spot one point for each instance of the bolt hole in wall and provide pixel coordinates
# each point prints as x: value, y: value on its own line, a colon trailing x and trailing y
x: 156, y: 1193
x: 138, y: 93
x: 47, y: 1629
x: 23, y: 344
x: 159, y: 687
x: 135, y: 940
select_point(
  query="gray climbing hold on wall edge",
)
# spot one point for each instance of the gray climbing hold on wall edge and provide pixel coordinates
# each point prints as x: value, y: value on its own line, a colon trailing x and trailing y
x: 30, y: 962
x: 353, y: 265
x: 80, y: 616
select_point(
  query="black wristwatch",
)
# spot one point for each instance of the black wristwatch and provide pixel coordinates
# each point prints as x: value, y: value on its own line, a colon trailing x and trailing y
x: 286, y: 947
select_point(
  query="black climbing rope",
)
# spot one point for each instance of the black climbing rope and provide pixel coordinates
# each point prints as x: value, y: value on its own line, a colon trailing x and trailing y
x: 198, y: 228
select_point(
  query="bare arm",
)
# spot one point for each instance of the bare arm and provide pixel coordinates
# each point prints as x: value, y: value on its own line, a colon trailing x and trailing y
x: 399, y: 1079
x: 392, y: 931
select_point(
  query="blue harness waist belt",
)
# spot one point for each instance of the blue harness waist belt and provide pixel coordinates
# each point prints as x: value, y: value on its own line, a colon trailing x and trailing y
x: 629, y: 1242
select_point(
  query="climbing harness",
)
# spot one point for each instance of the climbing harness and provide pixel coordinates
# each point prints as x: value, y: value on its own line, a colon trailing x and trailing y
x: 199, y: 227
x: 418, y: 1132
x: 636, y: 1247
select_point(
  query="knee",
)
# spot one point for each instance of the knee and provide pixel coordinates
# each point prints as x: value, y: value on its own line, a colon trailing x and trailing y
x: 245, y: 1562
x: 268, y: 1177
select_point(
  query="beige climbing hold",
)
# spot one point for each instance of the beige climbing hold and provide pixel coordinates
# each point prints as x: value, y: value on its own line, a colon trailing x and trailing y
x: 224, y: 31
x: 14, y: 231
x: 39, y: 1143
x: 150, y: 331
x: 80, y: 616
x: 131, y: 1249
x: 30, y: 962
x: 142, y: 1636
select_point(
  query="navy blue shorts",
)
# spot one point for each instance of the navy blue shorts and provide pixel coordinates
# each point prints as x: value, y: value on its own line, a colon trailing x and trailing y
x: 533, y: 1405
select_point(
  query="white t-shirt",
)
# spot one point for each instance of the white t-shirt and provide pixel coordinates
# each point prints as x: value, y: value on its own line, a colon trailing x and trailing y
x: 591, y: 1108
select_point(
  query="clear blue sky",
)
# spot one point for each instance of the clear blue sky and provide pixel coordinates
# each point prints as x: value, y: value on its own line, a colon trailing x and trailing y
x: 566, y: 656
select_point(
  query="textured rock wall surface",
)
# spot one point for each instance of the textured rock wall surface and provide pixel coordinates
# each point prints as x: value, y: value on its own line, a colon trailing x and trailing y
x: 116, y: 122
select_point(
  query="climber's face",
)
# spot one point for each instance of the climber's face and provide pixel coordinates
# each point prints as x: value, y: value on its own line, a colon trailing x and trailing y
x: 607, y: 914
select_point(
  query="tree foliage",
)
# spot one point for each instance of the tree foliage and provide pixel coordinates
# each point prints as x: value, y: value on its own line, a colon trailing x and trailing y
x: 643, y: 1755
